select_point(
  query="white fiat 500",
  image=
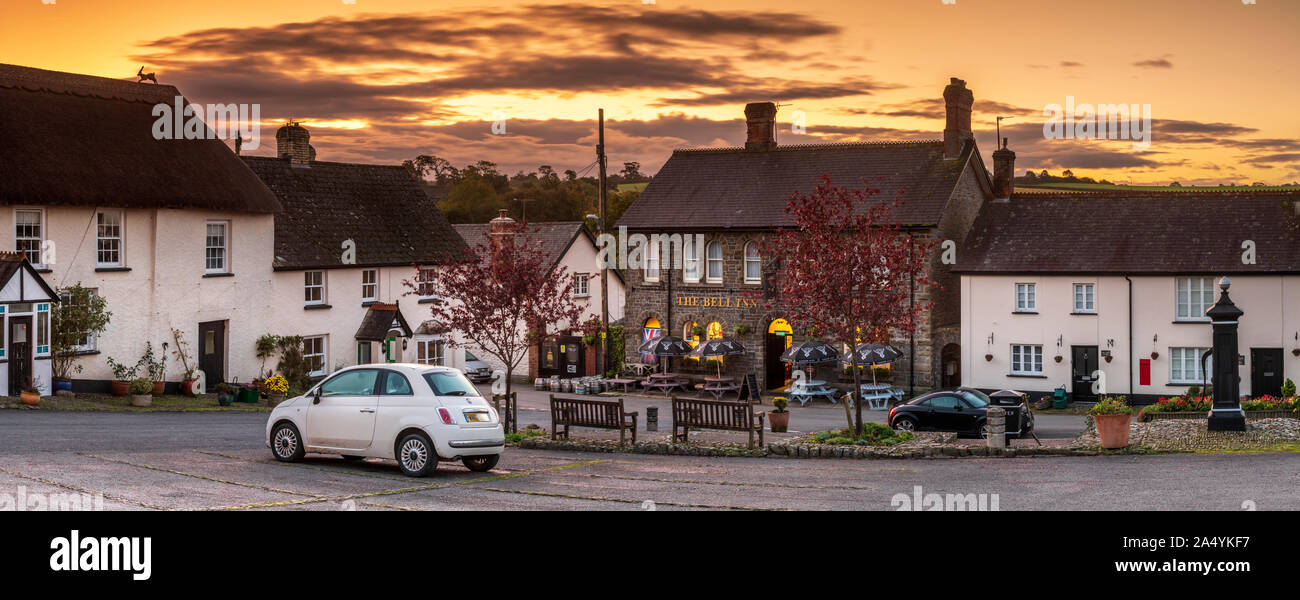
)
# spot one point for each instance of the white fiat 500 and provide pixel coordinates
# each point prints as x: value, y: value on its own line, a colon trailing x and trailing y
x: 416, y: 414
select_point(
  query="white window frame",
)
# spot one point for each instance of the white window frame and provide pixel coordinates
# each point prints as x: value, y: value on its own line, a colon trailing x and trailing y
x: 710, y: 260
x: 426, y: 280
x: 691, y: 262
x: 1183, y: 357
x: 119, y: 239
x: 430, y: 351
x: 1029, y: 297
x: 313, y: 281
x: 582, y: 285
x: 1023, y: 355
x: 224, y: 247
x: 39, y: 239
x: 1087, y: 293
x: 652, y: 262
x: 323, y: 354
x: 1183, y: 304
x: 373, y: 296
x: 756, y: 261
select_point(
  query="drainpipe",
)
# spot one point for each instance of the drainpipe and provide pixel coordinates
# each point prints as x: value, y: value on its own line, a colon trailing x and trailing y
x: 1130, y: 335
x: 911, y: 346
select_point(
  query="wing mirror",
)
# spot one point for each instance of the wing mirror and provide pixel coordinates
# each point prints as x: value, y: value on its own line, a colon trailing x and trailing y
x: 315, y: 396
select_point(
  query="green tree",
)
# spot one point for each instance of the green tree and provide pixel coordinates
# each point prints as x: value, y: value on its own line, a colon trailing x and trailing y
x: 473, y: 200
x: 79, y: 315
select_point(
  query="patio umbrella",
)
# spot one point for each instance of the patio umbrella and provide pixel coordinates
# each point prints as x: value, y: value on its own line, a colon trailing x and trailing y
x: 716, y: 348
x: 666, y: 346
x: 810, y: 352
x: 872, y: 354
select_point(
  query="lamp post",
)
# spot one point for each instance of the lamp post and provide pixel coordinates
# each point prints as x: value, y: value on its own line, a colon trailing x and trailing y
x: 1226, y: 414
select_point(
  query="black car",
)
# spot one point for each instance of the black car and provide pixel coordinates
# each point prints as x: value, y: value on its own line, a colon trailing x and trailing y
x: 961, y: 410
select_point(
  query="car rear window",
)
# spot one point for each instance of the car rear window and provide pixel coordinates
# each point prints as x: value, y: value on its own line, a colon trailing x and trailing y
x: 976, y: 398
x: 450, y: 383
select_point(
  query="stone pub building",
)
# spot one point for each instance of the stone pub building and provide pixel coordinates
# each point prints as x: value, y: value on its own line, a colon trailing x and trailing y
x: 733, y: 197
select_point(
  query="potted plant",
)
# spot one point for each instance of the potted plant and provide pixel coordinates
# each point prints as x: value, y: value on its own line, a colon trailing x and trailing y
x: 740, y: 329
x: 698, y: 330
x: 225, y: 393
x: 988, y: 357
x: 1112, y: 416
x: 1155, y: 355
x: 182, y: 353
x: 1059, y: 358
x: 31, y: 393
x: 156, y: 365
x: 1108, y: 358
x: 75, y: 321
x: 141, y: 389
x: 265, y: 348
x: 122, y: 376
x: 276, y: 386
x: 1295, y: 352
x: 778, y: 418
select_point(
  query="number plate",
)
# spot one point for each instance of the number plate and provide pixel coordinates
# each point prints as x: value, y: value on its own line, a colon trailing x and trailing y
x: 477, y: 417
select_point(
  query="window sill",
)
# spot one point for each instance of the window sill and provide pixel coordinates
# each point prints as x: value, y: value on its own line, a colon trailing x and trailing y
x: 1024, y: 312
x: 112, y: 269
x: 1085, y: 312
x: 85, y: 353
x: 218, y: 274
x: 428, y: 300
x: 1026, y: 376
x: 368, y: 303
x: 1188, y: 383
x: 1190, y: 321
x: 316, y: 306
x: 44, y: 270
x: 581, y: 296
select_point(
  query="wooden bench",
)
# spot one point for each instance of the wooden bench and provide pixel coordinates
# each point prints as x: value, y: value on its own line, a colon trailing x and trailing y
x: 601, y: 414
x: 716, y: 414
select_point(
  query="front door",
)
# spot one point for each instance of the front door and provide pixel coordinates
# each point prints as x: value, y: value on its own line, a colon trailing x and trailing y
x: 776, y: 372
x: 20, y: 353
x: 1083, y: 363
x: 343, y: 416
x: 212, y: 352
x: 1265, y: 372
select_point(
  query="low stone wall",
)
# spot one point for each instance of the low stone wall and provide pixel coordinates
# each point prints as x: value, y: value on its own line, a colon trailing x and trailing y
x: 1250, y: 414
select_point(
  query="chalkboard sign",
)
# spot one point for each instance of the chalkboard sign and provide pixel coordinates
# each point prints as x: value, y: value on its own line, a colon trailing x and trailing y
x: 749, y: 389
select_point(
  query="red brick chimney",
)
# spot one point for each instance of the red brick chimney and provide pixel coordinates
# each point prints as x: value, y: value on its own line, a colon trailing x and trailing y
x: 957, y: 101
x: 1004, y: 170
x: 760, y: 122
x: 501, y: 231
x: 293, y: 141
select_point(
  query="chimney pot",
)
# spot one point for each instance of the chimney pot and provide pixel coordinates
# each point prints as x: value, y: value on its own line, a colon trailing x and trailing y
x: 501, y: 231
x: 760, y: 124
x: 957, y: 102
x: 293, y: 141
x: 1004, y: 170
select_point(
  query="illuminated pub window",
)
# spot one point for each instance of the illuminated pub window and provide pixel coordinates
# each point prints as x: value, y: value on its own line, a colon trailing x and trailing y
x: 649, y: 331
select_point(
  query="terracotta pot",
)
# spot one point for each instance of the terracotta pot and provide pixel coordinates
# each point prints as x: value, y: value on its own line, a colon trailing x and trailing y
x: 1113, y: 430
x: 30, y: 398
x: 187, y: 387
x: 778, y: 422
x: 120, y: 388
x: 141, y: 400
x: 159, y: 387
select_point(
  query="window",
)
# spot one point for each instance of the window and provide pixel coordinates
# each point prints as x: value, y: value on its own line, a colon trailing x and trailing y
x: 753, y: 264
x: 689, y: 335
x: 42, y: 329
x: 652, y: 262
x: 714, y: 254
x: 1084, y: 301
x: 313, y: 287
x: 1025, y: 301
x: 313, y: 351
x: 428, y: 352
x: 369, y: 285
x: 28, y: 235
x: 581, y: 288
x: 691, y: 261
x: 1185, y: 365
x: 363, y: 353
x: 217, y: 247
x: 108, y: 238
x: 449, y: 383
x: 90, y: 341
x: 1027, y: 360
x: 395, y: 384
x: 943, y: 402
x: 427, y: 283
x: 1194, y: 296
x: 359, y: 382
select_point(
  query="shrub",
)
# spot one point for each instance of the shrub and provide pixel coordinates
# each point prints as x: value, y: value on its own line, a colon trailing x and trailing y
x: 123, y: 372
x: 779, y: 403
x: 873, y: 434
x: 1288, y: 388
x: 277, y: 384
x: 141, y: 386
x: 1111, y: 405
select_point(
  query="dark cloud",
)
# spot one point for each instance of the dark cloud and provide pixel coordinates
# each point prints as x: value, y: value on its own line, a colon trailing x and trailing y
x: 1070, y: 64
x: 1154, y: 63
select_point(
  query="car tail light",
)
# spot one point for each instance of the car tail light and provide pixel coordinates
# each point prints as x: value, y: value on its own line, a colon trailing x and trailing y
x: 892, y: 411
x: 446, y: 416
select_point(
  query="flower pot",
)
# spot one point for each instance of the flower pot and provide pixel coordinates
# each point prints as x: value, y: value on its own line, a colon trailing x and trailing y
x: 988, y: 357
x: 225, y: 399
x: 1155, y: 355
x: 187, y: 387
x: 778, y: 422
x: 141, y: 400
x: 1113, y: 430
x: 1295, y: 352
x: 1058, y: 358
x: 159, y: 387
x: 120, y: 388
x: 63, y: 384
x: 249, y: 395
x: 1108, y: 358
x: 30, y: 398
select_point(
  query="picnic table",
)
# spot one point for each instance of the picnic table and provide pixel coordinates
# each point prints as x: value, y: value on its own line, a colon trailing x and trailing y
x: 621, y: 381
x: 877, y: 395
x: 719, y: 385
x: 666, y: 382
x: 812, y: 388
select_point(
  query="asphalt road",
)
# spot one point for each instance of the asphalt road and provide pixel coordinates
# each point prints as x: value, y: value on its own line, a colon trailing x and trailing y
x: 206, y: 461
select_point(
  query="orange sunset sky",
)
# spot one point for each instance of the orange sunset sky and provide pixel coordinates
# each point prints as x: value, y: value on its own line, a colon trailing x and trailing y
x: 385, y: 80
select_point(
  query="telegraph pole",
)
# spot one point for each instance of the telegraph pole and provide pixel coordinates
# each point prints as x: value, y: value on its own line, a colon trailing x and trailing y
x: 604, y: 269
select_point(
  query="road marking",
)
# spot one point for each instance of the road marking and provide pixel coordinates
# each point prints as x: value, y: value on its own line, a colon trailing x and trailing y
x: 734, y: 483
x: 623, y: 500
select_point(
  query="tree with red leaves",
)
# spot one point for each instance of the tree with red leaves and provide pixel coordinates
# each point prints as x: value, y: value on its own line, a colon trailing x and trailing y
x: 503, y: 297
x: 847, y: 270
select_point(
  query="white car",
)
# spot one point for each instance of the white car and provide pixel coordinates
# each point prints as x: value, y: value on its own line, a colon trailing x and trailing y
x: 416, y: 414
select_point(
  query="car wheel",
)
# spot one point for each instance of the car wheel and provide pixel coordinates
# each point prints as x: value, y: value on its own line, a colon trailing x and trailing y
x: 982, y: 429
x: 353, y: 457
x: 286, y: 443
x: 479, y: 464
x: 416, y: 456
x: 904, y: 424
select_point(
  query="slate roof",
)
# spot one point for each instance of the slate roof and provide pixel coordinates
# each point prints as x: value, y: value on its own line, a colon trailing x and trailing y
x: 1154, y: 233
x: 381, y: 208
x: 78, y: 140
x: 379, y: 320
x: 555, y: 237
x: 713, y: 188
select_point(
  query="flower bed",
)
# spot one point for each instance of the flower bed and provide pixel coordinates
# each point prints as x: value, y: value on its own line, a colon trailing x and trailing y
x: 873, y: 434
x: 1264, y: 407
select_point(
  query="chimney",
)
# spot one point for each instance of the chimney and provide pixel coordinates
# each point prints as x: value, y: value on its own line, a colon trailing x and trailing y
x: 957, y: 102
x: 501, y: 231
x: 760, y: 122
x: 292, y: 141
x: 1004, y: 169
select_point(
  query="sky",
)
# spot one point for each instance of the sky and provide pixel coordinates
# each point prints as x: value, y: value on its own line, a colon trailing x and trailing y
x: 380, y: 81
